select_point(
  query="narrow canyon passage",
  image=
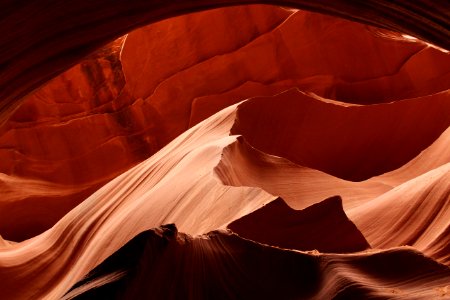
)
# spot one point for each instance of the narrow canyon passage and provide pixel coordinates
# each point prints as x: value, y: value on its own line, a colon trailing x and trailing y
x: 241, y: 152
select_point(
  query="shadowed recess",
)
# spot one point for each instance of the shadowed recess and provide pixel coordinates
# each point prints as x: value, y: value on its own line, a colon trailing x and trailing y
x: 322, y: 226
x: 164, y: 264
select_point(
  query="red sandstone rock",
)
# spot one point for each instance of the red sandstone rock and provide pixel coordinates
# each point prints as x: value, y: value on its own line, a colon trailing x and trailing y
x: 154, y: 53
x: 322, y: 226
x: 178, y: 185
x: 226, y: 266
x: 203, y: 80
x: 133, y: 137
x: 35, y: 49
x: 348, y: 141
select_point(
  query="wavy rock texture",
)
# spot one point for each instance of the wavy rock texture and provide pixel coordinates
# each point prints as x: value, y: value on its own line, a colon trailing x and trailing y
x: 295, y: 156
x: 268, y: 273
x: 180, y: 184
x: 116, y: 107
x: 34, y: 49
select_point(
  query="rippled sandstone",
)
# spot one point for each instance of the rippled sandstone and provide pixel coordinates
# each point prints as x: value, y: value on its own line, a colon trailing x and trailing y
x: 268, y: 137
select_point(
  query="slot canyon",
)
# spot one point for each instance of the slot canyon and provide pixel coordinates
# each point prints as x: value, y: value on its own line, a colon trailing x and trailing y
x: 224, y: 149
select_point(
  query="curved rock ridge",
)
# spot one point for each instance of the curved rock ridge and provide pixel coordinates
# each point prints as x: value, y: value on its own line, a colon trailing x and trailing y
x: 307, y: 51
x: 165, y: 264
x: 317, y: 133
x: 322, y: 226
x: 86, y: 126
x: 181, y: 184
x: 148, y: 195
x: 243, y: 165
x: 410, y: 204
x: 117, y: 107
x: 29, y: 207
x: 334, y: 173
x: 435, y: 156
x: 413, y: 212
x: 310, y: 116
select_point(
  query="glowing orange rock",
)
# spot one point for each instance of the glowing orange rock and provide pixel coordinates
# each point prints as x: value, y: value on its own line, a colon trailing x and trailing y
x: 146, y: 132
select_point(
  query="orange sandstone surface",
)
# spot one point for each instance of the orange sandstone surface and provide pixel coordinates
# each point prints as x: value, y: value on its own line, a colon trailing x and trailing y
x: 237, y: 153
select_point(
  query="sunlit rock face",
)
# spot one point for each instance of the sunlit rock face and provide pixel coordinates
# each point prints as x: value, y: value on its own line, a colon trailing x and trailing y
x: 269, y: 137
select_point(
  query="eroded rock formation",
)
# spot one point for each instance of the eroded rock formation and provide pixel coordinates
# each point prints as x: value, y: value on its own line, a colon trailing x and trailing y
x: 285, y: 146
